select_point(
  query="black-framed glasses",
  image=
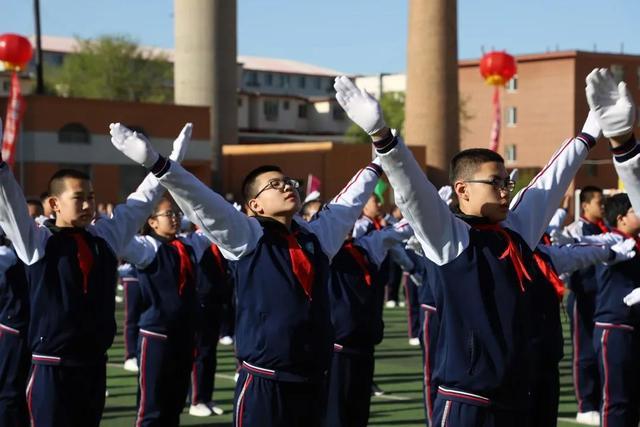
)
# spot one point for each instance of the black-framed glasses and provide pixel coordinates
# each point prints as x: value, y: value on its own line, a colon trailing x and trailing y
x: 168, y: 214
x: 279, y: 184
x: 498, y: 184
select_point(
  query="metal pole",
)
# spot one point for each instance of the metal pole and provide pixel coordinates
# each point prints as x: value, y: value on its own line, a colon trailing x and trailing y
x: 39, y: 74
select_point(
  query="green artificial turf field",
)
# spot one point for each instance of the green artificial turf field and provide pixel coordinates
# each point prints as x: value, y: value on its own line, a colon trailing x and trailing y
x: 398, y: 373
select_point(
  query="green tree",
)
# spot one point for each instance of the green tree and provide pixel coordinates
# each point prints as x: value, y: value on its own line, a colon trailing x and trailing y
x: 113, y: 67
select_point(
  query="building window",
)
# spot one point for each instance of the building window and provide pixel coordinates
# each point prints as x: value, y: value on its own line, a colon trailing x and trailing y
x: 239, y: 102
x: 302, y: 82
x: 592, y: 170
x: 268, y: 79
x: 251, y: 78
x: 284, y: 80
x: 74, y: 133
x: 318, y: 83
x: 338, y: 113
x: 510, y: 153
x: 618, y: 72
x: 271, y: 110
x: 285, y: 104
x: 511, y: 116
x: 512, y: 85
x: 302, y: 111
x: 6, y: 85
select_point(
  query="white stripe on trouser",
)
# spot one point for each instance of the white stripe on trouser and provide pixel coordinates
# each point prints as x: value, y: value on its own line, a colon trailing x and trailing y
x: 445, y: 413
x: 240, y: 399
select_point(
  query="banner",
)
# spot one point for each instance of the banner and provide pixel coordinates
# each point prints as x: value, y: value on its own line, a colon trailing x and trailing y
x: 313, y: 184
x: 15, y: 110
x: 495, y: 129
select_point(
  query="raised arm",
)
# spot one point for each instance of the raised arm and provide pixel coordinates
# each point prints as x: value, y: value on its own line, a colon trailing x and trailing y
x: 140, y: 251
x: 442, y: 235
x: 379, y: 243
x: 232, y: 231
x: 334, y: 221
x: 533, y: 207
x: 127, y: 218
x: 616, y: 112
x: 28, y: 239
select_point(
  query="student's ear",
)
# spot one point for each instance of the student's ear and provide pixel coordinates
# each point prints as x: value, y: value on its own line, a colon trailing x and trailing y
x: 254, y: 205
x: 583, y: 205
x: 460, y: 188
x: 53, y: 203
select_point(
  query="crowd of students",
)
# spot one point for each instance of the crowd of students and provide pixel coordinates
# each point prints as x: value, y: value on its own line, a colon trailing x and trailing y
x: 483, y: 276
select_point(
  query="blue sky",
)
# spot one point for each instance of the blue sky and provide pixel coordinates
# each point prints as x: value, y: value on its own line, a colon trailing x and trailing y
x: 354, y: 36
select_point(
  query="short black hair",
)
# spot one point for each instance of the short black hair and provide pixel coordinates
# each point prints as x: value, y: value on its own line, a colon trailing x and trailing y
x: 56, y: 183
x: 44, y: 196
x: 618, y: 204
x: 36, y: 202
x: 466, y: 163
x: 588, y: 193
x: 249, y: 182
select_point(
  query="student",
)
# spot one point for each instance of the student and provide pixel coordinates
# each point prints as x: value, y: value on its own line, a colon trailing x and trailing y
x: 615, y: 336
x: 283, y: 329
x: 214, y: 289
x: 356, y: 293
x: 485, y: 263
x: 132, y: 310
x: 167, y: 269
x: 581, y: 307
x: 15, y: 357
x: 71, y: 272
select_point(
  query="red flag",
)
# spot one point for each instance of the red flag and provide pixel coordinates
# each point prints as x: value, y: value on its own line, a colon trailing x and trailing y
x: 15, y: 110
x: 495, y: 129
x: 313, y: 184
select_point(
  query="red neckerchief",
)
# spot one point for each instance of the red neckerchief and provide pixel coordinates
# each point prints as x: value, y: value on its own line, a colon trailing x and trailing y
x: 85, y: 259
x: 186, y: 267
x: 360, y: 260
x: 375, y: 221
x: 627, y: 236
x: 546, y: 239
x: 600, y: 224
x: 217, y: 255
x: 302, y: 267
x: 511, y: 251
x: 550, y: 274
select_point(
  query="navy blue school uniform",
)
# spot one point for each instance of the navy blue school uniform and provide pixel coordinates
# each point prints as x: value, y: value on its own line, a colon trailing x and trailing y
x: 429, y: 327
x: 284, y: 337
x: 15, y: 357
x: 617, y: 342
x: 356, y: 293
x: 168, y: 274
x: 132, y: 309
x: 481, y: 285
x: 581, y: 304
x: 412, y: 304
x: 213, y: 288
x: 546, y: 343
x: 72, y: 275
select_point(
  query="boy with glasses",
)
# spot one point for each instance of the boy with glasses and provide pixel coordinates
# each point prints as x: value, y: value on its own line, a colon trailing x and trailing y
x: 484, y: 260
x: 284, y: 338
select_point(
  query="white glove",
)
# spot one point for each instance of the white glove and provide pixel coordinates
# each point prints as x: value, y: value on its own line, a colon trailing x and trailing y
x: 624, y: 251
x: 445, y: 192
x: 615, y: 109
x: 513, y: 176
x: 180, y: 144
x: 359, y: 105
x: 632, y: 298
x: 592, y: 125
x: 133, y: 145
x: 558, y: 238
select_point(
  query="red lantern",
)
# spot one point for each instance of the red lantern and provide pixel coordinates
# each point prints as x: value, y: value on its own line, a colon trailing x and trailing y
x: 15, y: 51
x: 497, y: 68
